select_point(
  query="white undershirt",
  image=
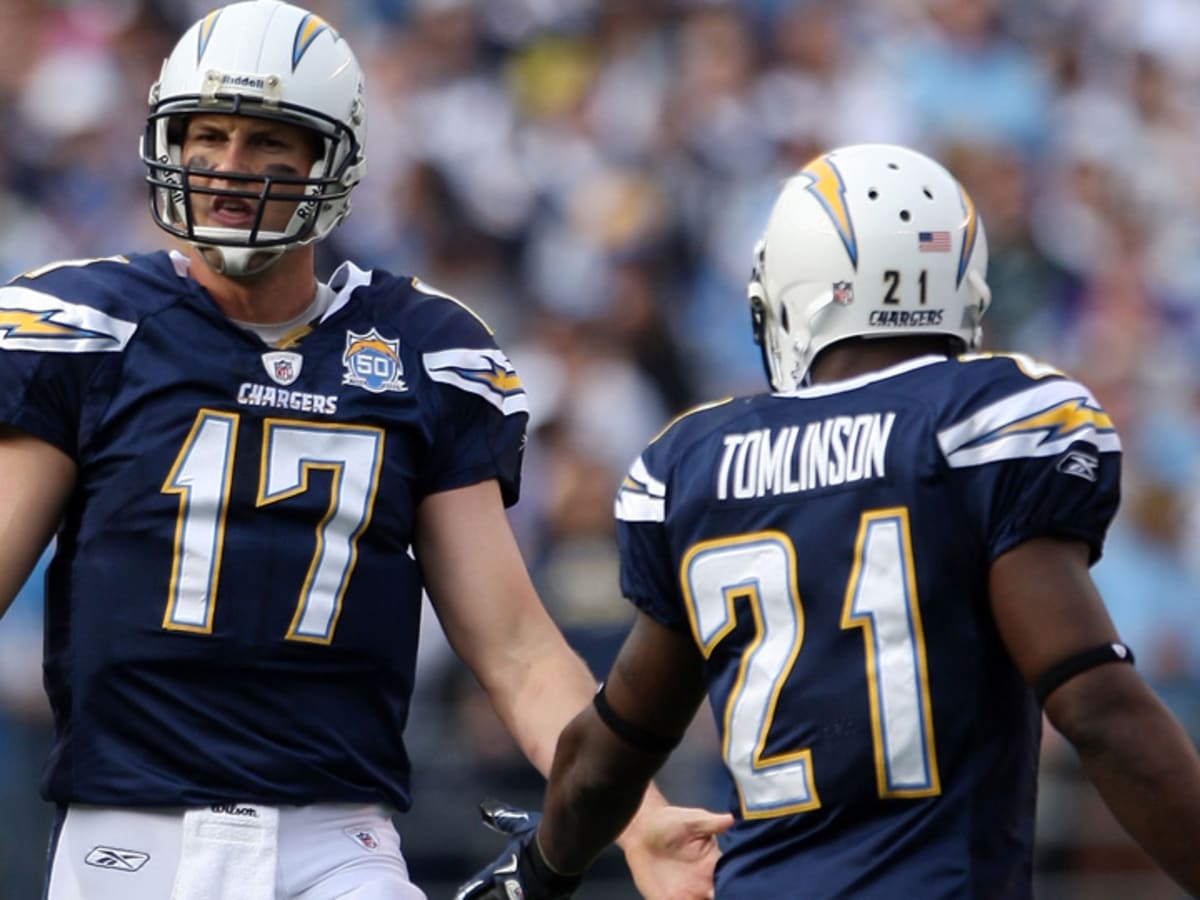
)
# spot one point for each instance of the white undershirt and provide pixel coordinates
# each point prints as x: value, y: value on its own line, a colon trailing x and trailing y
x: 320, y: 305
x: 276, y: 330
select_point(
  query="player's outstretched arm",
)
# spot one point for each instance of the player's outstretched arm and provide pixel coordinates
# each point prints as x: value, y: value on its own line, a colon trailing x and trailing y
x: 608, y: 754
x: 497, y: 625
x: 604, y: 761
x: 521, y: 869
x: 1138, y: 756
x: 35, y: 480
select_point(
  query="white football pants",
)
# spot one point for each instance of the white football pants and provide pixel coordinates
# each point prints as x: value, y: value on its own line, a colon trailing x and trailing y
x: 235, y: 851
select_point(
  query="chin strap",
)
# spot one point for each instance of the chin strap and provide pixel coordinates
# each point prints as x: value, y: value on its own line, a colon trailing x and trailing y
x: 238, y: 262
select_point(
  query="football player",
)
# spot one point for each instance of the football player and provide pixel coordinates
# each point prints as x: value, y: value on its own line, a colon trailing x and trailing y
x: 878, y: 574
x: 253, y: 476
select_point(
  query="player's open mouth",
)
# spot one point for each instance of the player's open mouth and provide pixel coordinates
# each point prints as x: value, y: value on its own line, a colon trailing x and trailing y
x: 232, y: 212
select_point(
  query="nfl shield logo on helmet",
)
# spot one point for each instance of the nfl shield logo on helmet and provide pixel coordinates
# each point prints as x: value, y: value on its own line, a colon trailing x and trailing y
x: 373, y: 362
x: 282, y: 366
x: 843, y: 293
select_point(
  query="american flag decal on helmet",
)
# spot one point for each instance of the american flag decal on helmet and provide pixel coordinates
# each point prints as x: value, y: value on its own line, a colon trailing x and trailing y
x: 933, y: 241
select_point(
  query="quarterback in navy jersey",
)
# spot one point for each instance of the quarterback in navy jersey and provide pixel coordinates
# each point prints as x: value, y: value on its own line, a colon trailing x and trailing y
x: 206, y: 453
x: 253, y: 478
x: 878, y: 575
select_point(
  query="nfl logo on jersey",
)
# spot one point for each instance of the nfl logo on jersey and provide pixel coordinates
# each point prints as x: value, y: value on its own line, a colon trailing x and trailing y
x: 843, y: 293
x: 283, y: 367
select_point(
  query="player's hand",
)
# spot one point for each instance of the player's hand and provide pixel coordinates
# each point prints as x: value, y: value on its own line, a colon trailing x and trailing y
x: 673, y: 852
x: 520, y: 872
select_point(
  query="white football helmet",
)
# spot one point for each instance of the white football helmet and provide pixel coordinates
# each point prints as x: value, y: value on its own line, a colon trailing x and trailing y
x: 272, y: 60
x: 871, y: 240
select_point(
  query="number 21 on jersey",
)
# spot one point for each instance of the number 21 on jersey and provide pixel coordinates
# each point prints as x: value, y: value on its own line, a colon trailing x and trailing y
x: 755, y: 574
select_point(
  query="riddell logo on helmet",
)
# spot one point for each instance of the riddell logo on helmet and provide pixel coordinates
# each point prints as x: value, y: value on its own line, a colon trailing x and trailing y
x: 254, y: 82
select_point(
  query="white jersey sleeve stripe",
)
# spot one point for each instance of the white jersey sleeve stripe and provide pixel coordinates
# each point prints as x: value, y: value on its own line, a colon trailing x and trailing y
x: 486, y: 373
x: 1041, y: 421
x: 641, y: 497
x: 32, y: 320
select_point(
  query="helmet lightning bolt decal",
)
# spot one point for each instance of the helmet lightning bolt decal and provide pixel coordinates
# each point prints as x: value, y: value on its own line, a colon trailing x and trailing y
x: 307, y: 31
x: 970, y: 230
x: 204, y: 35
x: 827, y: 186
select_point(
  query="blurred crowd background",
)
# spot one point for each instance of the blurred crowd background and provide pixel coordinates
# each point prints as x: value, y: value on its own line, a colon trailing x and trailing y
x: 590, y: 176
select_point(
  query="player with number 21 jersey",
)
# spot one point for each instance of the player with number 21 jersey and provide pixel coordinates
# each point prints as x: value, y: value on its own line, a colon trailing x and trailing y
x: 827, y: 549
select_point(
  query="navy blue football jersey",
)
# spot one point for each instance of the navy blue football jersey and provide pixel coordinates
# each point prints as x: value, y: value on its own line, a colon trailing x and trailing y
x: 828, y: 550
x: 233, y: 608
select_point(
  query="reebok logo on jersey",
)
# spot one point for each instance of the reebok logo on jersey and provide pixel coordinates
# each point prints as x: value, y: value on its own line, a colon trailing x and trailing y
x: 1080, y: 464
x: 118, y: 860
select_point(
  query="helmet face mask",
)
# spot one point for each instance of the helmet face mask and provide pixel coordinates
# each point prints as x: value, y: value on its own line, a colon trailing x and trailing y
x: 866, y: 241
x: 268, y: 60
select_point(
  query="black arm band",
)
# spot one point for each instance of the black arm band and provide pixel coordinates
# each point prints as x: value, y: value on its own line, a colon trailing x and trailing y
x: 1056, y: 675
x: 630, y: 733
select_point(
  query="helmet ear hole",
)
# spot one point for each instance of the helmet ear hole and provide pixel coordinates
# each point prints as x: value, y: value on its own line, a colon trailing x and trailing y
x: 784, y: 321
x: 758, y: 322
x: 318, y: 144
x: 177, y: 129
x: 758, y: 319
